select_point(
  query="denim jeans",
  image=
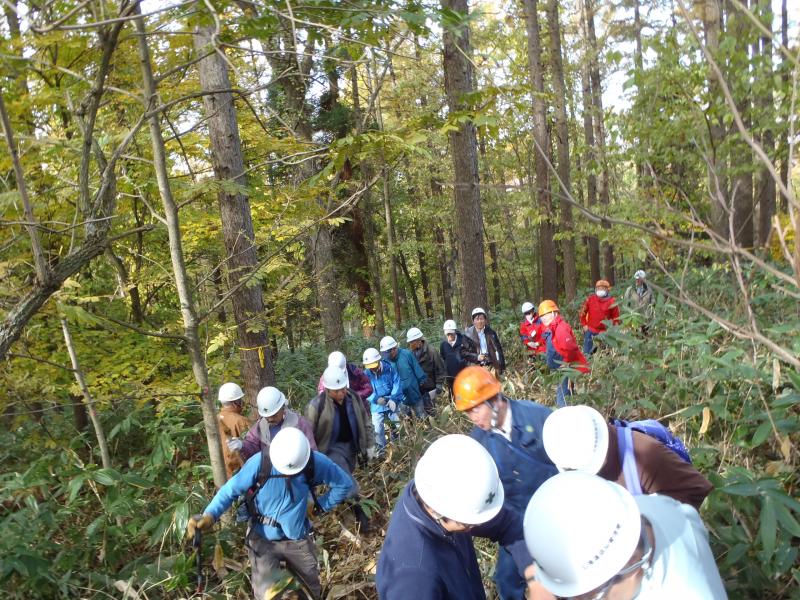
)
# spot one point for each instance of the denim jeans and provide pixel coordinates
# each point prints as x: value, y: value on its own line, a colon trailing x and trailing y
x: 563, y: 391
x: 379, y: 428
x: 418, y: 409
x: 588, y: 342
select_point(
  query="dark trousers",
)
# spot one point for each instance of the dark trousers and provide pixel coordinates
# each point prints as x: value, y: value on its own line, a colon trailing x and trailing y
x: 265, y: 555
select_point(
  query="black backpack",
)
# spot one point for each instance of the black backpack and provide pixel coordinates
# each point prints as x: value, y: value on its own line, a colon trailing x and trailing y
x: 265, y: 473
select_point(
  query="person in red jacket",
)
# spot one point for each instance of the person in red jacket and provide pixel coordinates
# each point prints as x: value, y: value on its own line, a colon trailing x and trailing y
x: 561, y: 348
x: 598, y: 308
x: 530, y: 331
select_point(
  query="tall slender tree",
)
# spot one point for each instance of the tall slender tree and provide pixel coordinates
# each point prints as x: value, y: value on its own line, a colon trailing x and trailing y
x: 547, y: 244
x: 464, y: 148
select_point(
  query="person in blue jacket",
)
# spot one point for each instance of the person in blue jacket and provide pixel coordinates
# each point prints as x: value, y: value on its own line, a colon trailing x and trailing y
x: 456, y: 494
x: 411, y: 376
x: 280, y: 531
x: 386, y: 396
x: 511, y: 431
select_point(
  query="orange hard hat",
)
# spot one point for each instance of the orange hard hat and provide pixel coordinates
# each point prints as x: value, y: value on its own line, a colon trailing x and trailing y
x: 473, y: 386
x: 546, y: 307
x: 602, y: 283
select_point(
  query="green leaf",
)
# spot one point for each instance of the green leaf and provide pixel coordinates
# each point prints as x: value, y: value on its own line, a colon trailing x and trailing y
x: 107, y: 477
x: 761, y: 433
x: 768, y: 527
x: 787, y: 521
x: 74, y: 486
x: 137, y: 481
x: 741, y: 489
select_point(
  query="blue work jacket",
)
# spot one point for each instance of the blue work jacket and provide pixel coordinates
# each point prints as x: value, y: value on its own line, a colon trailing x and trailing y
x: 411, y: 375
x: 522, y: 463
x: 276, y: 500
x: 420, y: 560
x: 385, y: 384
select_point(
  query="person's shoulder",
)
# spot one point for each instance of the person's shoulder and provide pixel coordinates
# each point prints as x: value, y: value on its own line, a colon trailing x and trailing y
x: 528, y: 407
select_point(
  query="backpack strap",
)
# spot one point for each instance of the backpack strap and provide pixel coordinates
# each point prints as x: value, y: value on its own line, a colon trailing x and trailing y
x: 628, y: 460
x: 308, y: 472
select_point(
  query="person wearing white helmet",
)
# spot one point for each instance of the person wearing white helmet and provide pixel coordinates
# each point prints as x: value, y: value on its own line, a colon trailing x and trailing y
x: 530, y: 331
x: 639, y: 299
x: 590, y: 538
x: 411, y: 376
x: 342, y: 429
x: 457, y: 350
x: 490, y: 350
x: 274, y: 415
x: 387, y: 394
x: 232, y: 425
x: 578, y: 438
x: 456, y: 494
x: 431, y: 363
x: 281, y: 480
x: 357, y: 380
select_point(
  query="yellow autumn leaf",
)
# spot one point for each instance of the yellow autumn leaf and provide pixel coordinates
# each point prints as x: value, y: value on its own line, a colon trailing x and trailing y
x: 706, y: 420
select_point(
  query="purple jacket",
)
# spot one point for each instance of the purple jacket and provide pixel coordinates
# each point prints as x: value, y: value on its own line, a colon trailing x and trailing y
x: 258, y: 437
x: 358, y: 382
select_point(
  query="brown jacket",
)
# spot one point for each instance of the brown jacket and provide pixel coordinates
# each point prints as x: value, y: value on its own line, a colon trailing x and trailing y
x: 321, y: 414
x: 661, y: 471
x: 232, y: 424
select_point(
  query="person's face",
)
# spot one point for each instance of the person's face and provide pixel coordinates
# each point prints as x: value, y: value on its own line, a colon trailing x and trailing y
x: 415, y: 345
x: 529, y: 315
x: 481, y: 415
x: 451, y: 337
x: 338, y: 395
x: 479, y: 321
x: 236, y: 405
x: 393, y: 353
x: 548, y: 318
x: 376, y: 369
x: 277, y: 418
x: 639, y: 281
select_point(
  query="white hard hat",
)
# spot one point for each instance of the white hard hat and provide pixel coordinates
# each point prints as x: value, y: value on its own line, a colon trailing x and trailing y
x: 337, y: 359
x: 334, y: 379
x: 387, y: 343
x: 581, y: 531
x: 413, y: 334
x: 527, y: 307
x: 576, y: 439
x: 640, y: 274
x: 450, y: 326
x: 371, y: 357
x: 229, y: 392
x: 478, y: 311
x: 269, y: 401
x: 458, y: 479
x: 289, y: 451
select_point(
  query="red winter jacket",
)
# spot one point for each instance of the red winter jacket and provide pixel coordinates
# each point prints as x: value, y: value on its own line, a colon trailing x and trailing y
x: 532, y: 332
x: 564, y: 343
x: 596, y: 310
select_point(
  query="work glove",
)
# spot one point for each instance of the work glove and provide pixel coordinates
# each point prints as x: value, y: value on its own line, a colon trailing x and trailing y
x: 532, y: 345
x: 371, y: 452
x: 392, y: 405
x: 381, y: 401
x: 432, y: 394
x: 234, y: 444
x: 204, y: 523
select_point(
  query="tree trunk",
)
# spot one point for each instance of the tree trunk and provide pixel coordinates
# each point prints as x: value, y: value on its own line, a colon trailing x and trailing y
x: 326, y: 277
x: 423, y: 271
x: 547, y: 244
x: 464, y: 148
x: 184, y: 288
x: 590, y: 164
x: 741, y: 156
x: 105, y: 455
x: 412, y: 290
x: 785, y: 70
x: 387, y: 209
x: 495, y: 274
x: 712, y: 25
x: 444, y: 275
x: 237, y: 224
x: 562, y: 150
x: 599, y: 133
x: 765, y: 194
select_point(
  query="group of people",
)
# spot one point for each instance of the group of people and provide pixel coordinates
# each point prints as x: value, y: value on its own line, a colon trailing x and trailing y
x: 582, y: 507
